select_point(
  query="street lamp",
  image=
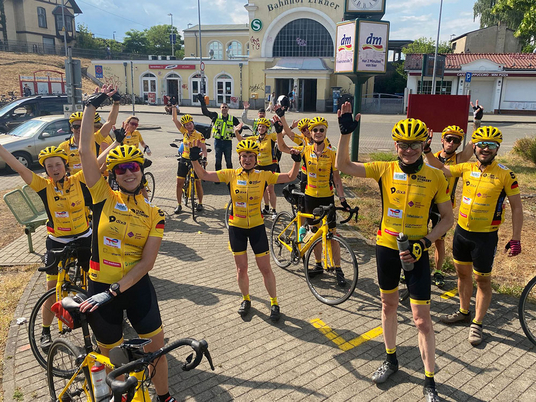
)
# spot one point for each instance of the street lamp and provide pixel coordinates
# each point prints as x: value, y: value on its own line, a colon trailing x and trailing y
x: 171, y: 36
x: 200, y: 49
x: 114, y: 35
x: 436, y: 46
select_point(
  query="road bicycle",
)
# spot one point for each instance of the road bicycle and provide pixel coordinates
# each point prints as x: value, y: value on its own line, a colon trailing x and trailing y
x: 69, y: 367
x: 332, y: 285
x: 527, y: 310
x: 72, y: 279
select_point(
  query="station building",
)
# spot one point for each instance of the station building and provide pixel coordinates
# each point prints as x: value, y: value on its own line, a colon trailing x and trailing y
x: 288, y: 45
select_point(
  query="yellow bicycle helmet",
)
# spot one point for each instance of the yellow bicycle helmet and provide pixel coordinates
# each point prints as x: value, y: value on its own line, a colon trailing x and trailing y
x: 49, y: 152
x: 97, y: 118
x: 317, y: 121
x: 412, y: 130
x: 265, y: 122
x: 487, y: 133
x: 186, y: 119
x: 456, y: 130
x: 247, y: 146
x: 303, y: 123
x: 75, y: 116
x: 122, y: 154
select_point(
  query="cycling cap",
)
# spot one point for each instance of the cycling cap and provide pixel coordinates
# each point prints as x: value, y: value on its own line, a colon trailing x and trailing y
x: 317, y: 121
x: 410, y: 130
x: 487, y: 133
x: 49, y: 152
x: 456, y: 130
x: 264, y: 122
x: 122, y: 154
x: 186, y: 119
x: 75, y: 116
x: 247, y: 146
x: 303, y: 123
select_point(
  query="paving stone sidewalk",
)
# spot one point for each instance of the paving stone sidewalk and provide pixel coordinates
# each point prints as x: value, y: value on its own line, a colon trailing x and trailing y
x: 315, y: 352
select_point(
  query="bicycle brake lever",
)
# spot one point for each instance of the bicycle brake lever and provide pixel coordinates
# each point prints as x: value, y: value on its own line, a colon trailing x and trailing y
x: 207, y: 355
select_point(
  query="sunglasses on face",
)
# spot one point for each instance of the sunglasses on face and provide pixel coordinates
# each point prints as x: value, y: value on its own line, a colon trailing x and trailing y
x: 455, y: 140
x: 405, y: 145
x: 76, y: 126
x: 318, y: 130
x: 133, y: 123
x: 486, y: 144
x: 122, y: 168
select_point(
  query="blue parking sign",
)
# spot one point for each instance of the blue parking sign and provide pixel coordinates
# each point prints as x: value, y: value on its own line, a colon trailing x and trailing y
x: 98, y: 72
x: 468, y: 77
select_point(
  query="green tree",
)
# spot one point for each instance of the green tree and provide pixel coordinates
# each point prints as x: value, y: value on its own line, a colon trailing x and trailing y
x: 427, y: 46
x: 136, y: 42
x: 484, y: 10
x: 526, y: 12
x: 154, y: 40
x: 86, y: 40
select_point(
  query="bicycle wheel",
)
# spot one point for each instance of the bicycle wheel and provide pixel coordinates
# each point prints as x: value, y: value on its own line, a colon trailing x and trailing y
x: 192, y: 197
x: 150, y: 185
x: 527, y: 310
x: 61, y: 366
x: 35, y: 325
x: 185, y: 190
x: 282, y: 236
x: 332, y: 286
x: 228, y: 212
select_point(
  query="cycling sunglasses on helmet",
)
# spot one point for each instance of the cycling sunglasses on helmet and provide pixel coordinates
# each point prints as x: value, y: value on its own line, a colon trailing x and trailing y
x: 405, y: 145
x: 454, y: 139
x: 122, y: 168
x: 487, y: 144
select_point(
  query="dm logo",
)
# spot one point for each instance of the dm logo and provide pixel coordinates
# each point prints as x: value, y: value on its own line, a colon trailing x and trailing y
x: 256, y: 25
x: 346, y: 43
x: 373, y: 43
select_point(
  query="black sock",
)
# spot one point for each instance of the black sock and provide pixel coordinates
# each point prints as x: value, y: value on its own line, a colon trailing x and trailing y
x: 391, y: 358
x: 162, y: 398
x: 429, y: 382
x: 46, y: 330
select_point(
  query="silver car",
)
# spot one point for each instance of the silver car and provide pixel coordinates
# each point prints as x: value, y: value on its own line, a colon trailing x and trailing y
x: 27, y: 140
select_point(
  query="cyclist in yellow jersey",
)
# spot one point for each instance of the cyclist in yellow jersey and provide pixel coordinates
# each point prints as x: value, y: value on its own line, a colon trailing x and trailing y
x: 451, y: 138
x: 246, y: 186
x: 408, y: 187
x: 127, y: 237
x: 65, y: 198
x: 186, y: 126
x: 133, y: 136
x: 265, y: 160
x: 486, y: 185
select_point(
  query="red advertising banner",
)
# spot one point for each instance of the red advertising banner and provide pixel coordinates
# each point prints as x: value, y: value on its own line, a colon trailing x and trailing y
x: 440, y: 111
x: 172, y: 66
x: 151, y: 97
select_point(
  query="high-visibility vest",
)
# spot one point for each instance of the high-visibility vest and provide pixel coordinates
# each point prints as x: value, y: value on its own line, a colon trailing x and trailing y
x: 223, y: 129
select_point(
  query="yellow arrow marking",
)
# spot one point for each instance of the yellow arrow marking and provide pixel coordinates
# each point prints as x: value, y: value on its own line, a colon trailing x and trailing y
x: 449, y: 294
x: 339, y: 340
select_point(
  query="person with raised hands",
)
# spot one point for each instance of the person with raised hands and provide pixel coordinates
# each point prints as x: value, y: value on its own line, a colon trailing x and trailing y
x: 408, y: 187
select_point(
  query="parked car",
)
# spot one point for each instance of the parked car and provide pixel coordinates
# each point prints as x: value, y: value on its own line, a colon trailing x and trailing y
x: 17, y: 112
x: 27, y: 140
x: 205, y: 129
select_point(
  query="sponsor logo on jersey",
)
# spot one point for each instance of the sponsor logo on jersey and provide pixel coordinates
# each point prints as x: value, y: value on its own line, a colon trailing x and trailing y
x: 241, y: 204
x: 115, y: 243
x: 61, y: 214
x: 77, y: 166
x: 463, y: 215
x: 467, y: 200
x: 241, y: 182
x: 112, y: 263
x: 121, y: 207
x: 312, y: 174
x: 514, y: 185
x: 64, y: 229
x: 502, y: 166
x: 394, y: 213
x: 391, y: 232
x: 400, y: 176
x: 475, y: 174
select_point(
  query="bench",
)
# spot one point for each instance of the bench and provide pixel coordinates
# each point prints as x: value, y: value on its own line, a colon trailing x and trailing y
x: 28, y: 209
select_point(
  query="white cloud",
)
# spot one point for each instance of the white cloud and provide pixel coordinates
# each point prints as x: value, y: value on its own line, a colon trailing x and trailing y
x: 418, y: 18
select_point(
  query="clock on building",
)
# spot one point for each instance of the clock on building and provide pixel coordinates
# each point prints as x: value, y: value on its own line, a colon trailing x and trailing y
x: 364, y: 8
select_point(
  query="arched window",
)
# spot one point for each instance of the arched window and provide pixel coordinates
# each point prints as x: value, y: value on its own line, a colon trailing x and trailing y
x: 41, y: 17
x: 224, y: 89
x: 234, y: 49
x: 217, y: 48
x: 148, y: 85
x: 303, y: 38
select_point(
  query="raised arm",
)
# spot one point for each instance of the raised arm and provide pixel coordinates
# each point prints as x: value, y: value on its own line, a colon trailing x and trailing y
x: 23, y: 171
x: 293, y: 172
x: 245, y: 119
x: 175, y: 119
x: 432, y: 160
x: 466, y: 154
x: 279, y: 127
x: 195, y: 150
x: 238, y: 131
x: 112, y: 116
x: 347, y: 126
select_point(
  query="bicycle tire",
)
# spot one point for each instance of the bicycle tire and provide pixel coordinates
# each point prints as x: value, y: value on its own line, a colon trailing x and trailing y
x: 325, y: 286
x: 527, y: 310
x: 35, y: 325
x: 150, y: 185
x: 192, y: 197
x: 228, y: 212
x: 61, y: 366
x: 281, y: 233
x: 185, y: 189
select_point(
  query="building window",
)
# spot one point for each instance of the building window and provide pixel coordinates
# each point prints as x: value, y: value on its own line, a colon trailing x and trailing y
x: 445, y: 89
x: 224, y: 89
x: 68, y: 22
x: 234, y: 49
x: 303, y: 38
x: 215, y: 50
x: 41, y: 17
x: 148, y: 85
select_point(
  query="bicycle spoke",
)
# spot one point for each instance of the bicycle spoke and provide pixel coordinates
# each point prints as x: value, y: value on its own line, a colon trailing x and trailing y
x: 527, y: 310
x: 282, y: 237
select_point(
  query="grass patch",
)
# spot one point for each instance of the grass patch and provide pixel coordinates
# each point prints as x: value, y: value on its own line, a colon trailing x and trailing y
x: 383, y: 156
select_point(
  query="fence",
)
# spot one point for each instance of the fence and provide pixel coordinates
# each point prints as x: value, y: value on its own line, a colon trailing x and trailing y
x: 378, y: 103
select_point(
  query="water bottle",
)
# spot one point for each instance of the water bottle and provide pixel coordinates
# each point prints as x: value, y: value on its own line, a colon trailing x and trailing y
x: 100, y: 388
x: 403, y: 245
x: 301, y: 233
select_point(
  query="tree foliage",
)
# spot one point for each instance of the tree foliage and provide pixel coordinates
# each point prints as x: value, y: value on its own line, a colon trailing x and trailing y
x: 86, y: 40
x: 525, y: 9
x: 426, y: 45
x: 488, y: 18
x: 154, y: 40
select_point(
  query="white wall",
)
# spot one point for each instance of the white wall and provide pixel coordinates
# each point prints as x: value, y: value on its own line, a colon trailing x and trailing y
x: 519, y: 94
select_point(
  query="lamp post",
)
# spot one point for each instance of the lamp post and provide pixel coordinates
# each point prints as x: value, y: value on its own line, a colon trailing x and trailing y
x: 171, y: 36
x: 200, y: 48
x: 436, y: 46
x: 114, y: 35
x: 64, y: 27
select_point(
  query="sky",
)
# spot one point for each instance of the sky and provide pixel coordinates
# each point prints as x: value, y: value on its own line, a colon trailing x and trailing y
x: 410, y: 19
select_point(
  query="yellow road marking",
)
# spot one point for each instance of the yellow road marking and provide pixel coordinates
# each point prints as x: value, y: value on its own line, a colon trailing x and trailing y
x: 449, y: 294
x: 339, y: 340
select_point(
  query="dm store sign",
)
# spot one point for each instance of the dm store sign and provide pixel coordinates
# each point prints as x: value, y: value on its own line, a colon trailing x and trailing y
x: 345, y: 51
x: 372, y: 46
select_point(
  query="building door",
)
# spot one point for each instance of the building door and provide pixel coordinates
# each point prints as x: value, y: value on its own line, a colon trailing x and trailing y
x: 195, y: 86
x: 307, y: 95
x: 283, y: 86
x: 173, y: 85
x: 148, y: 87
x: 224, y: 89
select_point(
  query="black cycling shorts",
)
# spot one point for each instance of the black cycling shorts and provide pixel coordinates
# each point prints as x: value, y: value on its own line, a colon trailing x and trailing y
x: 475, y: 248
x: 269, y: 168
x: 435, y: 217
x: 313, y: 202
x: 418, y: 280
x: 238, y: 240
x: 84, y: 254
x: 141, y: 305
x: 183, y: 167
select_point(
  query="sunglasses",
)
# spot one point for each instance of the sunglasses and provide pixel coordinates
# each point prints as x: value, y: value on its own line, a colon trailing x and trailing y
x: 76, y: 126
x: 413, y: 145
x: 455, y: 140
x: 318, y: 130
x: 122, y: 168
x: 133, y: 123
x: 486, y: 144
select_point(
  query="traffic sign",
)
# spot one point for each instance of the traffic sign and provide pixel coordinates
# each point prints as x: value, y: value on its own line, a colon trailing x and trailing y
x: 468, y: 77
x: 256, y: 25
x: 202, y: 66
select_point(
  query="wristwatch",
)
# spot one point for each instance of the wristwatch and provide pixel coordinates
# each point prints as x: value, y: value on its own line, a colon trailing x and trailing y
x: 114, y: 287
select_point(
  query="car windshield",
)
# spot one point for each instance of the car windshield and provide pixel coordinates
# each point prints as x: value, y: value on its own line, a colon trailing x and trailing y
x: 10, y: 106
x: 27, y: 129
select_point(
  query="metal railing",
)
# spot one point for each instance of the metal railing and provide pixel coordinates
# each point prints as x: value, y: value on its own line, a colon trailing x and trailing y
x: 382, y: 104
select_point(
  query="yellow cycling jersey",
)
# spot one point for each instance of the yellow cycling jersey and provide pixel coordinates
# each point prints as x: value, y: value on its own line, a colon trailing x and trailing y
x: 133, y: 138
x: 406, y: 199
x: 73, y: 155
x: 99, y: 139
x: 65, y: 203
x: 319, y: 170
x: 482, y: 203
x: 188, y: 139
x: 453, y: 181
x: 247, y: 190
x: 123, y: 225
x: 266, y: 147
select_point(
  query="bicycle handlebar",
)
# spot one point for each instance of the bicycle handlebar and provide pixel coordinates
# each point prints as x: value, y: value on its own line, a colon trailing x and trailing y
x: 65, y: 252
x: 323, y: 210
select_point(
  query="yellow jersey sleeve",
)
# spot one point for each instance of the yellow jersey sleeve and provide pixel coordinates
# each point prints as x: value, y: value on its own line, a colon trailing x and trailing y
x: 226, y: 175
x: 100, y: 191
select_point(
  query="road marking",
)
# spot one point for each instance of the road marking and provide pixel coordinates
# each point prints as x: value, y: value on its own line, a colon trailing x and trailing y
x: 449, y: 294
x: 339, y: 340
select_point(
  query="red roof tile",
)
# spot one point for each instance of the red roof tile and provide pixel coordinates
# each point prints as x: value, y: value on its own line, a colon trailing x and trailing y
x: 509, y: 61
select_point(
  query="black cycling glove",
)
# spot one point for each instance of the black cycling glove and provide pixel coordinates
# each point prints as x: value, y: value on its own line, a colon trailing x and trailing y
x: 100, y: 299
x: 96, y: 99
x: 116, y: 97
x: 296, y: 157
x: 415, y: 249
x: 201, y: 99
x: 278, y: 126
x: 120, y: 135
x: 347, y: 124
x: 195, y: 153
x: 345, y: 205
x: 280, y: 111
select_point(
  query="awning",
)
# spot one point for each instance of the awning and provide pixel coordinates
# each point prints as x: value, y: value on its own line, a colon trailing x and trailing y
x: 296, y: 64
